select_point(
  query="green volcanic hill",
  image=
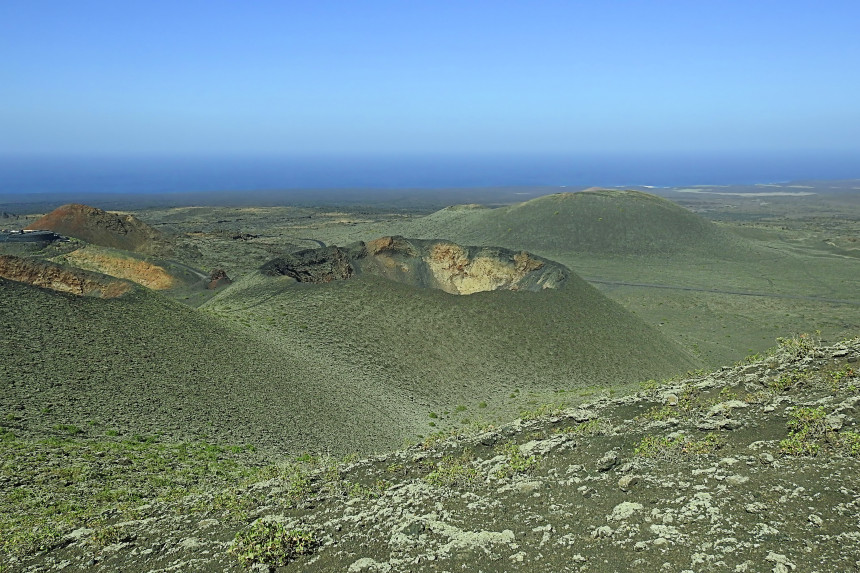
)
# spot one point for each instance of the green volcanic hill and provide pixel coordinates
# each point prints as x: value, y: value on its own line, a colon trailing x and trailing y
x: 352, y: 365
x: 603, y: 222
x: 458, y: 350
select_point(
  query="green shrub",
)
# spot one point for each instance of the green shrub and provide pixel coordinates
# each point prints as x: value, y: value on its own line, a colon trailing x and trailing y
x: 661, y: 413
x: 593, y: 427
x: 836, y: 377
x: 453, y: 471
x: 654, y: 446
x: 68, y: 429
x: 787, y: 381
x: 109, y: 535
x: 664, y: 447
x: 542, y: 411
x: 271, y: 543
x: 807, y: 427
x: 851, y: 442
x: 801, y: 345
x: 516, y: 463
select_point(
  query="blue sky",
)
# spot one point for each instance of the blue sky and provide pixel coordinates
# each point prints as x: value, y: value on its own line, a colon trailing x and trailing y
x: 407, y: 77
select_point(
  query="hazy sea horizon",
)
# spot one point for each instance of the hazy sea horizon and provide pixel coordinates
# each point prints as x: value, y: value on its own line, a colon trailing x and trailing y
x: 143, y: 175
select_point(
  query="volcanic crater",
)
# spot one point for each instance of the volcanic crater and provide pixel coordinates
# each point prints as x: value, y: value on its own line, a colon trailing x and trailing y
x: 438, y: 264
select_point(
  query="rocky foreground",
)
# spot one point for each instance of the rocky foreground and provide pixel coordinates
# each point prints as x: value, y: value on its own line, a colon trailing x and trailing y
x: 755, y: 467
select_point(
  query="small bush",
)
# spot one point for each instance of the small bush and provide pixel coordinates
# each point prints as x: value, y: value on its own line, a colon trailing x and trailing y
x: 807, y: 427
x: 787, y: 381
x: 67, y: 429
x: 654, y: 446
x: 836, y: 377
x: 108, y: 536
x: 271, y: 543
x: 660, y: 413
x: 542, y: 411
x: 453, y: 471
x: 800, y: 346
x: 851, y: 442
x: 517, y: 462
x: 664, y: 447
x: 593, y: 427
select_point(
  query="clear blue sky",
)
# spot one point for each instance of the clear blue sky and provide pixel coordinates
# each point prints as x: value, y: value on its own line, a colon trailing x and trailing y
x: 367, y: 76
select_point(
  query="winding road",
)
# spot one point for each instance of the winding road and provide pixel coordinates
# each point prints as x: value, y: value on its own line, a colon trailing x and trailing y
x: 718, y: 291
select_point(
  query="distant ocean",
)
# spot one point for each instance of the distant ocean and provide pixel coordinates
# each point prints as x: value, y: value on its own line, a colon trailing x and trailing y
x: 169, y: 175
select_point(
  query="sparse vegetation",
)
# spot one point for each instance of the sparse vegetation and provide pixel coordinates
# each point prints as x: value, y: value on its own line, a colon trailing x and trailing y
x: 842, y: 375
x: 108, y: 535
x: 851, y: 441
x: 787, y: 381
x: 49, y: 500
x: 542, y: 411
x: 801, y: 345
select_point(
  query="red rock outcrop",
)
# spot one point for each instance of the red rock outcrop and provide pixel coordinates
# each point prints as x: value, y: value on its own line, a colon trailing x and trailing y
x: 99, y: 227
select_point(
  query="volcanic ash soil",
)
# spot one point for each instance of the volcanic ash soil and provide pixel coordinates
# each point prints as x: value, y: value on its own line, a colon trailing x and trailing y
x: 750, y: 468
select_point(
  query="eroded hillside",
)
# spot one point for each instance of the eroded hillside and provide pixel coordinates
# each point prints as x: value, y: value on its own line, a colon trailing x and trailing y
x: 144, y: 273
x: 59, y: 278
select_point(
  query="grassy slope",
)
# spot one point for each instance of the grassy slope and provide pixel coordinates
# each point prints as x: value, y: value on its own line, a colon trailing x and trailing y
x: 735, y: 470
x: 267, y: 361
x: 448, y: 351
x: 143, y: 364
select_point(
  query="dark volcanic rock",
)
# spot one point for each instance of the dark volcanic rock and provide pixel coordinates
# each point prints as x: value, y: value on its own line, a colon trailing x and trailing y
x: 218, y: 278
x: 313, y: 265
